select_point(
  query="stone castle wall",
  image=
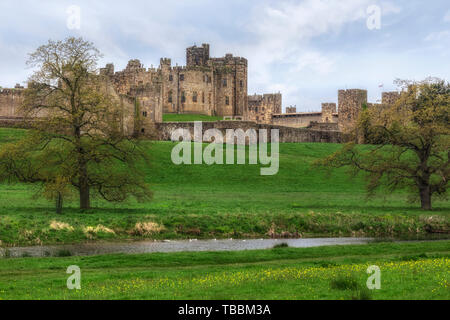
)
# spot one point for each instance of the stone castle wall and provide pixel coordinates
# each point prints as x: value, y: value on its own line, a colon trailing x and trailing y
x: 350, y: 103
x: 296, y: 120
x: 209, y: 86
x: 261, y: 108
x: 10, y: 102
x: 291, y: 109
x: 306, y: 119
x: 389, y: 98
x: 328, y: 112
x: 286, y: 134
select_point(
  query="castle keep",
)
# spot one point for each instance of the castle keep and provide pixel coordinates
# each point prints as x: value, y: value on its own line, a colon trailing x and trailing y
x: 207, y: 86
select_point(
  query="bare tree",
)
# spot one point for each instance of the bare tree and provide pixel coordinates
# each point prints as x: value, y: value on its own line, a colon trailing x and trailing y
x: 411, y: 142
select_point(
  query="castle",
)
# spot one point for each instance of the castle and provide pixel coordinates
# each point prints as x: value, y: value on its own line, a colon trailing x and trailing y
x: 208, y: 86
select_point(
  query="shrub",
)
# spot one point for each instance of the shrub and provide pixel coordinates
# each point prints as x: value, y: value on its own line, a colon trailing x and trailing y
x: 281, y: 245
x: 362, y: 294
x: 63, y: 253
x: 344, y: 283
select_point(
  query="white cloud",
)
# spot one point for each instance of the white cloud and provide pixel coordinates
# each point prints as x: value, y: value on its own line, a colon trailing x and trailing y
x: 282, y: 53
x: 307, y: 49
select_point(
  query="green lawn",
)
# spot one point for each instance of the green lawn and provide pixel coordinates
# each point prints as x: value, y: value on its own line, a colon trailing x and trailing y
x: 408, y: 271
x: 221, y: 201
x: 174, y: 117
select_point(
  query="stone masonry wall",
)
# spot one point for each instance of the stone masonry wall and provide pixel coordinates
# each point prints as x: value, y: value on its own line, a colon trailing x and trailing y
x: 286, y: 134
x: 209, y: 86
x: 296, y: 120
x: 261, y: 108
x: 350, y: 103
x: 10, y: 102
x: 328, y: 111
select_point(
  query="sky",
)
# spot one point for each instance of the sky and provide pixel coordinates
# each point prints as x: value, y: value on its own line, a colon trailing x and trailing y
x: 305, y: 49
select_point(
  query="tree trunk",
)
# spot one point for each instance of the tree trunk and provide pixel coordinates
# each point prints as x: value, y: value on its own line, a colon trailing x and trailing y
x: 59, y: 203
x: 425, y: 197
x: 85, y: 201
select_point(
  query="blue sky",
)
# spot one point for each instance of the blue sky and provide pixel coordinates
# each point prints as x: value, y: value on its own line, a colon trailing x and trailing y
x: 306, y: 49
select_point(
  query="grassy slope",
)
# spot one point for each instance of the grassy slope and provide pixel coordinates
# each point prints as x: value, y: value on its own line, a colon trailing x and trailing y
x: 200, y: 201
x: 172, y: 117
x: 408, y: 271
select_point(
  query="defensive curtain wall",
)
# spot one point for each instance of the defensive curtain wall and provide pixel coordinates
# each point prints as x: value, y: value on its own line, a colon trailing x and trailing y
x: 286, y: 134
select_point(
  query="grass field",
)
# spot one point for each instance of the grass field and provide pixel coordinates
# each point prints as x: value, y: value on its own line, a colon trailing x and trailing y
x: 173, y: 117
x: 221, y: 201
x: 408, y: 271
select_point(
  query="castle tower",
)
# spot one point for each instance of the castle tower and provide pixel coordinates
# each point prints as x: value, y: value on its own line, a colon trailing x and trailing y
x: 230, y: 82
x: 291, y: 109
x: 197, y: 56
x: 389, y: 98
x: 328, y: 109
x: 261, y: 108
x: 108, y: 70
x: 350, y: 104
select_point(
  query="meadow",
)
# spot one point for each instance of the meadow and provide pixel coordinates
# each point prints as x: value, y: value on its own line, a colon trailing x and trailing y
x: 415, y: 270
x: 223, y: 201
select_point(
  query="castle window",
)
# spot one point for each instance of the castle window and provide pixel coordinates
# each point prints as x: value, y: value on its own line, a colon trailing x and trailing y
x: 224, y: 83
x: 183, y: 97
x: 181, y: 77
x: 227, y: 100
x: 241, y: 83
x: 203, y: 97
x: 144, y: 113
x: 169, y: 99
x: 142, y: 130
x: 194, y: 97
x: 170, y: 77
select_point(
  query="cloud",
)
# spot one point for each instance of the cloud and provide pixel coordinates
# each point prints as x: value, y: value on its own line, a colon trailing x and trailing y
x: 307, y: 49
x: 282, y: 51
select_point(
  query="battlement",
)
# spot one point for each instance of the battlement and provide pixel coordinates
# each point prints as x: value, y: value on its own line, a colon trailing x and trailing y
x: 268, y: 97
x: 134, y: 64
x: 165, y: 61
x: 197, y: 56
x: 291, y: 109
x: 390, y: 97
x: 108, y: 70
x: 12, y: 91
x: 230, y: 60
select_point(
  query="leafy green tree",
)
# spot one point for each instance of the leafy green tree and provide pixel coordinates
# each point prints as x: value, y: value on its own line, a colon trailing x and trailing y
x: 76, y: 140
x: 410, y: 142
